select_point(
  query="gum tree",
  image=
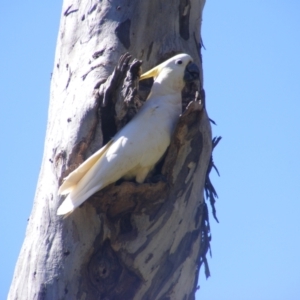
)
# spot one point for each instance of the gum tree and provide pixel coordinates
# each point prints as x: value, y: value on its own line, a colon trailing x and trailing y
x: 128, y: 241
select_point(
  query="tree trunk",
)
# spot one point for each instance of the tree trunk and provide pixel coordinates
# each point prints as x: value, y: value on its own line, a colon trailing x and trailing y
x: 128, y: 241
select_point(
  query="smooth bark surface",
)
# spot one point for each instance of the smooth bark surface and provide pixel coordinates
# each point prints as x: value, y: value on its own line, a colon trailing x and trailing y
x: 128, y: 241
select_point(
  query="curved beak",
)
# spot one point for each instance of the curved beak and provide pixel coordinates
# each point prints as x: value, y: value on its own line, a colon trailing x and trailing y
x: 151, y: 73
x: 191, y: 72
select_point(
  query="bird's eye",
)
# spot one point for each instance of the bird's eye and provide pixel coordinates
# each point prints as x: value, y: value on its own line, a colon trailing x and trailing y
x: 179, y: 62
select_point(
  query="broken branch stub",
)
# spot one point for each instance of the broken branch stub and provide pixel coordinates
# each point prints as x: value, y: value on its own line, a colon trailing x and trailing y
x: 128, y: 101
x: 119, y: 97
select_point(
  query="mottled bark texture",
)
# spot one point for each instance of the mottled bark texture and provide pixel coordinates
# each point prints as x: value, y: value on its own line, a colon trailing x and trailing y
x: 128, y: 241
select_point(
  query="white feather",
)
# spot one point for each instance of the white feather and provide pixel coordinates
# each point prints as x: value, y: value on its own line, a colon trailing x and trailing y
x: 136, y: 148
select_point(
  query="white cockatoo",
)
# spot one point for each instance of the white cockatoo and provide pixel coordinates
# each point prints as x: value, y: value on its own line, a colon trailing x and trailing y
x: 138, y: 146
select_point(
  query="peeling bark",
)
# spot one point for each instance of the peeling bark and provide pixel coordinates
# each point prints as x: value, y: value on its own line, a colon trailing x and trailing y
x: 129, y: 240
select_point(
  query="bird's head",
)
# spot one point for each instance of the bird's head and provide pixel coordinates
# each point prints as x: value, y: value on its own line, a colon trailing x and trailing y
x: 173, y: 73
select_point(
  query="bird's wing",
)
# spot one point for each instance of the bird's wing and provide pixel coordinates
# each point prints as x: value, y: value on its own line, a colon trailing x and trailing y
x: 127, y: 151
x: 73, y: 178
x: 107, y: 165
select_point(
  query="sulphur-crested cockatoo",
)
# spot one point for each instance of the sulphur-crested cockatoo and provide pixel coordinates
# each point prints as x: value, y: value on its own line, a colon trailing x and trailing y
x: 137, y: 147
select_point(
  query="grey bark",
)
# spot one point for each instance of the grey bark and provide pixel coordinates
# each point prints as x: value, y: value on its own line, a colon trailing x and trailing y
x: 128, y: 241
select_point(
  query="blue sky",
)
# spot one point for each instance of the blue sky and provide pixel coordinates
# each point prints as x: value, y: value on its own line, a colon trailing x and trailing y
x: 251, y: 70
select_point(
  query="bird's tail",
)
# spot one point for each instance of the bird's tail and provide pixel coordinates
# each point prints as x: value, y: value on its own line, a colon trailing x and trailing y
x: 77, y: 197
x: 67, y: 206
